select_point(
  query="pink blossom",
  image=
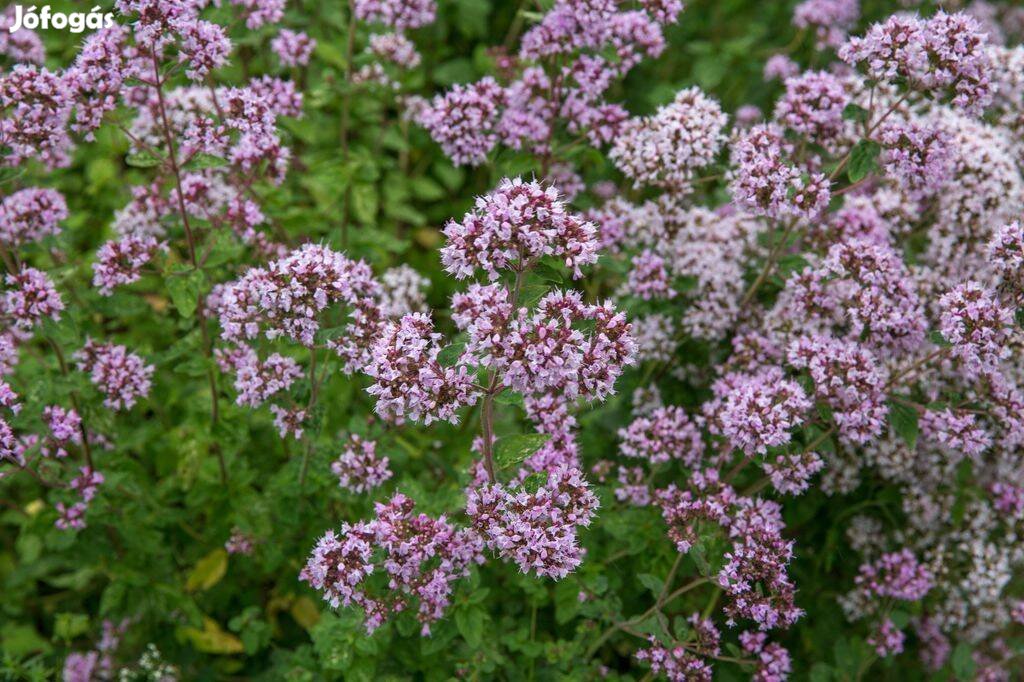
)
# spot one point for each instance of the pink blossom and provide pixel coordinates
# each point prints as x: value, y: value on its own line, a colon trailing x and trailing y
x: 536, y: 530
x: 512, y: 227
x: 293, y: 48
x: 31, y: 215
x: 358, y: 467
x: 121, y: 376
x: 120, y: 262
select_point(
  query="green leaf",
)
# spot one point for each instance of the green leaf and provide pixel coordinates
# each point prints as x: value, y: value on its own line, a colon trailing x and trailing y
x: 820, y: 673
x: 451, y: 353
x: 365, y: 202
x: 936, y: 337
x: 67, y: 626
x: 224, y: 248
x: 863, y: 160
x: 509, y: 398
x: 208, y: 571
x: 471, y: 17
x: 855, y: 112
x: 1019, y: 316
x: 184, y: 290
x: 195, y: 366
x: 899, y: 618
x: 426, y: 189
x: 202, y: 161
x: 514, y: 449
x: 651, y: 582
x: 143, y: 159
x: 470, y: 623
x: 962, y: 662
x: 904, y: 420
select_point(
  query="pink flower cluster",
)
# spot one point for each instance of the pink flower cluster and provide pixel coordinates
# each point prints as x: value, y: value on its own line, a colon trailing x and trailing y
x: 666, y: 148
x: 536, y: 530
x: 944, y: 52
x: 358, y: 468
x: 288, y: 296
x: 257, y: 380
x: 31, y: 215
x: 897, y: 575
x: 120, y: 262
x: 544, y: 351
x: 29, y: 299
x: 513, y: 226
x: 665, y: 434
x: 849, y: 379
x: 767, y: 183
x: 755, y: 412
x: 421, y: 559
x: 409, y: 380
x: 977, y: 325
x: 122, y: 377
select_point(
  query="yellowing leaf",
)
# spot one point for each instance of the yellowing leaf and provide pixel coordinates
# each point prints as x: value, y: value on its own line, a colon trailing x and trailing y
x: 212, y: 639
x: 305, y: 612
x: 208, y: 571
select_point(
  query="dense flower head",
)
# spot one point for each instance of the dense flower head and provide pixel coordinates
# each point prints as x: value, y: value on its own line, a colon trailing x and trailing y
x: 238, y: 543
x: 98, y: 75
x: 830, y: 19
x: 813, y: 105
x: 121, y: 376
x: 463, y: 120
x: 765, y: 182
x: 545, y: 350
x: 919, y: 157
x: 398, y: 14
x: 293, y: 48
x: 675, y: 664
x: 71, y: 516
x: 259, y: 13
x: 755, y: 575
x: 422, y: 558
x: 289, y: 421
x: 37, y: 107
x: 359, y: 469
x: 1006, y: 253
x: 65, y: 429
x: 29, y: 299
x: 666, y: 148
x: 512, y: 227
x: 288, y: 296
x: 30, y: 215
x: 780, y: 67
x: 757, y: 411
x: 536, y: 530
x: 121, y: 261
x: 666, y: 433
x: 887, y: 639
x: 897, y: 575
x: 958, y: 431
x: 409, y: 380
x: 204, y: 46
x: 792, y: 474
x: 395, y: 48
x: 22, y: 45
x: 849, y: 379
x: 944, y: 52
x: 873, y: 287
x: 773, y: 661
x: 257, y: 380
x: 706, y: 499
x: 977, y: 325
